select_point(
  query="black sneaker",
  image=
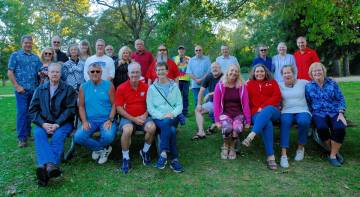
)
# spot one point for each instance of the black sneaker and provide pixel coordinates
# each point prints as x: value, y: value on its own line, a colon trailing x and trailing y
x: 145, y: 157
x: 52, y: 170
x: 42, y: 177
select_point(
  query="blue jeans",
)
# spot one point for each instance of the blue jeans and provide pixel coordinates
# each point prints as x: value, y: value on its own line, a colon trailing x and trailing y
x: 263, y: 125
x: 303, y: 121
x: 337, y: 128
x: 167, y: 128
x: 184, y: 89
x: 50, y: 152
x: 23, y: 119
x: 84, y: 138
x: 195, y: 93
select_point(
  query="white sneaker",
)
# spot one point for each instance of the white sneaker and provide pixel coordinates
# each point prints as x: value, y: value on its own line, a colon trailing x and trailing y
x: 104, y: 155
x: 299, y: 154
x: 96, y: 154
x: 284, y: 162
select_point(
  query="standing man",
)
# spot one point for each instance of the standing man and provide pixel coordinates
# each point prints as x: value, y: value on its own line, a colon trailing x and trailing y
x: 130, y: 101
x: 226, y: 59
x: 184, y: 79
x: 23, y: 71
x: 304, y: 57
x: 107, y: 64
x: 109, y: 50
x: 142, y: 56
x: 198, y: 68
x: 262, y: 57
x: 163, y: 58
x: 56, y: 45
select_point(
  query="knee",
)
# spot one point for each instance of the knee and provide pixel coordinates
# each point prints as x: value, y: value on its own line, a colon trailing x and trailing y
x: 127, y: 130
x: 150, y: 128
x: 79, y: 136
x: 304, y: 122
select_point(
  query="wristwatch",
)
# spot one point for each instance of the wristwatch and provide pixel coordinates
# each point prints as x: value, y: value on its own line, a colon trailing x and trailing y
x: 111, y: 119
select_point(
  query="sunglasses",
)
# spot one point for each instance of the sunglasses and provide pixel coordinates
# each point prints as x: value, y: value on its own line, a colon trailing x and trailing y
x: 198, y: 50
x: 263, y: 49
x: 56, y: 42
x: 47, y: 53
x: 95, y: 71
x: 162, y: 49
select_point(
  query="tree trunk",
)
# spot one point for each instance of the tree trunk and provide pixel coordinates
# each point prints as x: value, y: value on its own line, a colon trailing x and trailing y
x: 337, y: 68
x: 346, y: 64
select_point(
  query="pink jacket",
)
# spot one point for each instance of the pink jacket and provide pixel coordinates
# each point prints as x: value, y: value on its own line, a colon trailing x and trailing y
x: 219, y: 102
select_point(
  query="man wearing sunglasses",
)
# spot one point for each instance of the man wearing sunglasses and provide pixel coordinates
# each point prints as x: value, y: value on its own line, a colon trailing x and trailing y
x: 263, y: 58
x: 61, y: 57
x: 107, y: 64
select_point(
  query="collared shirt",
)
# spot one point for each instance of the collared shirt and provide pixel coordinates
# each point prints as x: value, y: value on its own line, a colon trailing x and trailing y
x: 182, y: 63
x: 327, y: 100
x: 225, y: 62
x: 25, y: 67
x: 144, y: 59
x: 267, y: 62
x: 279, y: 61
x: 132, y: 100
x: 199, y: 67
x: 303, y: 62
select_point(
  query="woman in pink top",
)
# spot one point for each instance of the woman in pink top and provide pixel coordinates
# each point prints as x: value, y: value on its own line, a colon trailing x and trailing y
x: 231, y: 109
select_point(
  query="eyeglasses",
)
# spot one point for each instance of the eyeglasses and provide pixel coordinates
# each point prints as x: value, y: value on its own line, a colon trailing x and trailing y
x: 109, y: 49
x: 263, y: 50
x: 56, y: 42
x: 160, y: 70
x: 162, y: 49
x: 95, y: 71
x: 198, y: 50
x: 46, y: 53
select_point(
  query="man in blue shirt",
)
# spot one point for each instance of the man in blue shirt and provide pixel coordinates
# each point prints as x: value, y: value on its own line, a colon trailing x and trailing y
x: 198, y: 68
x: 262, y: 57
x: 226, y: 59
x: 23, y: 71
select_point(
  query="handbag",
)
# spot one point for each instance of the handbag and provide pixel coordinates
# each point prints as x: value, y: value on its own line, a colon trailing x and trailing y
x: 181, y: 118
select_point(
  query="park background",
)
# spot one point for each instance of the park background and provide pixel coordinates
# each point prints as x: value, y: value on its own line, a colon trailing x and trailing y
x: 331, y: 27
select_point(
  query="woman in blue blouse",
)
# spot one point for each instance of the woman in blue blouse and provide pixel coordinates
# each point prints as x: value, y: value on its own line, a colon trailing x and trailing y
x: 327, y: 105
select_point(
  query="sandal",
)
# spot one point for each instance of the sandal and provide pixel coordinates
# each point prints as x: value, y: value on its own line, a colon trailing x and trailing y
x: 247, y: 141
x: 224, y: 154
x: 271, y: 164
x: 198, y: 137
x: 232, y: 154
x: 210, y: 130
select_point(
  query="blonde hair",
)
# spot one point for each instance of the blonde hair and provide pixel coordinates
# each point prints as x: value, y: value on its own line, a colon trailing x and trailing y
x: 48, y: 49
x: 312, y: 68
x: 225, y: 78
x: 124, y: 49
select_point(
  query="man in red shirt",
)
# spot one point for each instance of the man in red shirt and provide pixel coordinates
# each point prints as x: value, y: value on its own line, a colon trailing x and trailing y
x: 162, y: 57
x: 142, y: 56
x: 130, y: 102
x: 304, y: 57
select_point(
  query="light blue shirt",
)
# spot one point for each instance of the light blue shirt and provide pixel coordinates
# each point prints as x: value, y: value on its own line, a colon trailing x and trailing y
x: 279, y: 61
x: 199, y: 67
x: 225, y: 62
x: 293, y: 98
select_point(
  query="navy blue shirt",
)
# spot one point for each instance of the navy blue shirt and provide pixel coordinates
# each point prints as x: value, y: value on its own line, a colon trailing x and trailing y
x: 25, y: 67
x: 267, y: 62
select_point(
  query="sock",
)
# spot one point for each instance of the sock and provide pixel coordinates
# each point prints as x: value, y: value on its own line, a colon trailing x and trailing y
x: 163, y: 154
x: 146, y: 147
x: 126, y: 154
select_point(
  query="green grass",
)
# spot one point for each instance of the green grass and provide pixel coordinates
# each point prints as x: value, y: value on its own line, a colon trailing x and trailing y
x: 205, y: 174
x: 7, y: 89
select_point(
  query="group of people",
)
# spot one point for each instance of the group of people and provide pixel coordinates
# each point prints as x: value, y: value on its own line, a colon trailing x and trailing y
x: 134, y: 91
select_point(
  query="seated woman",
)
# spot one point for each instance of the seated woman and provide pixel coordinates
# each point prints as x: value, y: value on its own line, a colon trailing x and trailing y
x: 97, y: 111
x: 327, y: 105
x: 265, y: 97
x: 294, y: 109
x: 52, y: 110
x: 231, y: 109
x: 164, y: 104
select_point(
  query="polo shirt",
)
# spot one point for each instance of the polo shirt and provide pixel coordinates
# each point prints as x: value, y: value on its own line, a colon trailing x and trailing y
x: 144, y: 59
x: 25, y: 67
x: 225, y: 62
x: 199, y: 67
x: 133, y: 101
x: 267, y: 62
x: 172, y: 68
x: 303, y: 62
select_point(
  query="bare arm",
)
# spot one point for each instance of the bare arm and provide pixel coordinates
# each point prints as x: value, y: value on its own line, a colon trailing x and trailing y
x: 18, y: 87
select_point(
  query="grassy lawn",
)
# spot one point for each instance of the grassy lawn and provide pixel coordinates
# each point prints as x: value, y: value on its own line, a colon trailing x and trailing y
x: 205, y: 174
x: 7, y: 89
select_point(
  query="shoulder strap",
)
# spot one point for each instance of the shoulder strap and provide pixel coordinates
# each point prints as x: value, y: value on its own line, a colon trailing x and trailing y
x: 163, y: 96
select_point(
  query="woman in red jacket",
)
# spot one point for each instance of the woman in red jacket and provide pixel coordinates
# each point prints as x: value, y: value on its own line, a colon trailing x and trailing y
x: 265, y: 97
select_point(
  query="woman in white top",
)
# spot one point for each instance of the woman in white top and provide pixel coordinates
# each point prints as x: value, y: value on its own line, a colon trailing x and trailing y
x: 282, y: 59
x: 294, y: 109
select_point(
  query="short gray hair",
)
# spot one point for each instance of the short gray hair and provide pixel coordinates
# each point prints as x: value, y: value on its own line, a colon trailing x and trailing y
x: 132, y: 66
x: 54, y: 64
x: 28, y: 37
x: 94, y: 65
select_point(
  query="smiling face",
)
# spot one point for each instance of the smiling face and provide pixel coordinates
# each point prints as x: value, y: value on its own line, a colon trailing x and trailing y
x: 84, y: 49
x: 109, y: 50
x: 126, y: 55
x: 282, y: 49
x: 48, y: 55
x: 288, y: 75
x: 259, y: 73
x: 225, y: 51
x: 139, y: 45
x: 74, y: 52
x: 198, y: 51
x: 56, y: 42
x: 27, y: 44
x: 161, y: 72
x: 262, y: 51
x: 215, y: 69
x: 233, y: 73
x: 134, y: 73
x: 318, y: 73
x: 301, y: 43
x: 100, y: 48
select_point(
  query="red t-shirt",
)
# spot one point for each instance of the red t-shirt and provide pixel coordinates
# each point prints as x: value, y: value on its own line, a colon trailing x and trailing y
x: 263, y: 93
x: 303, y: 62
x: 133, y: 101
x: 144, y: 59
x: 172, y: 74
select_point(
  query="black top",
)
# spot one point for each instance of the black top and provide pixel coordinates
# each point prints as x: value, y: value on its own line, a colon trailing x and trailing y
x: 61, y: 57
x: 121, y: 74
x: 210, y: 83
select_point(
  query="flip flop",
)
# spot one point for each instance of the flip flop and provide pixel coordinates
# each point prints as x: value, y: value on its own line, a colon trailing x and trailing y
x: 198, y: 137
x: 210, y: 131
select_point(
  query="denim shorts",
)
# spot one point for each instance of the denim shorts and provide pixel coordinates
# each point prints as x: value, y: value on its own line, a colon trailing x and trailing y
x: 125, y: 121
